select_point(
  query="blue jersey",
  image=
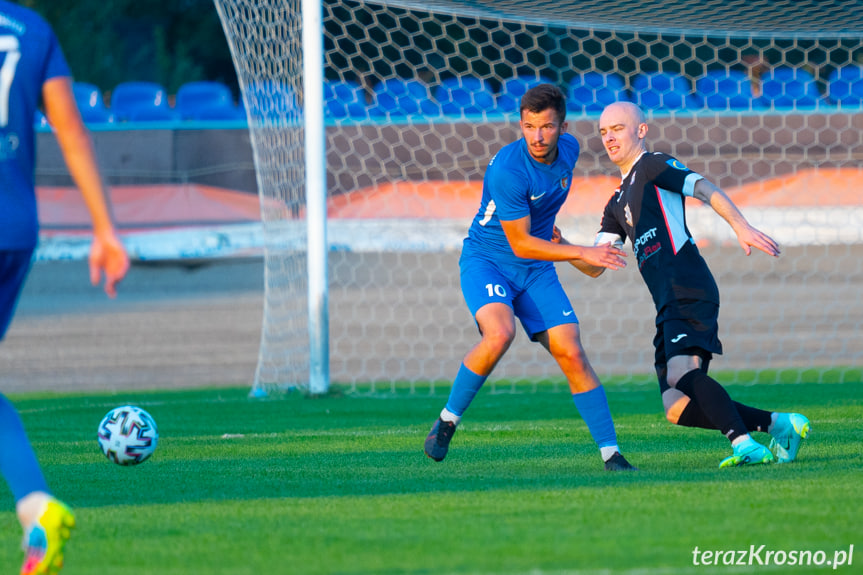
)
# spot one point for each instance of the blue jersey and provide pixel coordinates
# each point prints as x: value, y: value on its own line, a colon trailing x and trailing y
x: 29, y: 55
x: 515, y: 186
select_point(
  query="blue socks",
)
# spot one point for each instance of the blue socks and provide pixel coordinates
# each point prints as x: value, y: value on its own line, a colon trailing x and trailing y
x: 464, y: 389
x: 593, y: 407
x: 18, y: 464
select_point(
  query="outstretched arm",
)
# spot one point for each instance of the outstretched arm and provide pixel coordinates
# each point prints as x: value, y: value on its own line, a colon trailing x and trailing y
x: 748, y: 236
x: 107, y: 253
x: 524, y: 245
x: 581, y: 265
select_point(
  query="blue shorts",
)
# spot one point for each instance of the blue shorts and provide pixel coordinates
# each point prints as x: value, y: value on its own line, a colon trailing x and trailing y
x: 533, y: 292
x: 14, y: 265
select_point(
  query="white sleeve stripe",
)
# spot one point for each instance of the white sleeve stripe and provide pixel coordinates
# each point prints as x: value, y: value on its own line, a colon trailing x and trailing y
x: 608, y: 237
x: 489, y: 212
x: 689, y: 184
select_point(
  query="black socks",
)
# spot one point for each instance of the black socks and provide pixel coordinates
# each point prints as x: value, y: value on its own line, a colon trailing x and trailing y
x: 711, y: 406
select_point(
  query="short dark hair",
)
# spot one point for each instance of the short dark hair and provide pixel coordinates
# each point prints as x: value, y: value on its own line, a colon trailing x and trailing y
x: 544, y: 97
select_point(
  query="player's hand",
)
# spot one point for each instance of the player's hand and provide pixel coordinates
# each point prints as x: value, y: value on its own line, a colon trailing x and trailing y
x: 108, y: 255
x: 606, y: 256
x: 750, y: 238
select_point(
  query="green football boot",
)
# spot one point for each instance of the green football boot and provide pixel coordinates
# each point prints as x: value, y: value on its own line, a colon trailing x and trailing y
x: 788, y: 433
x: 748, y: 452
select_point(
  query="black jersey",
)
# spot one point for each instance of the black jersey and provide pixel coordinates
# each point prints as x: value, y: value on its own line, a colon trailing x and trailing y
x: 649, y: 209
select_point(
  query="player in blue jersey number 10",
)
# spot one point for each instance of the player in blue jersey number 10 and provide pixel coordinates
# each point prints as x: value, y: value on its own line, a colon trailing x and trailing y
x: 507, y: 271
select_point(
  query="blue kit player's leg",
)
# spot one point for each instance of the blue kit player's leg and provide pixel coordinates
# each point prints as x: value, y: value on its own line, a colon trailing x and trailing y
x: 464, y: 389
x: 548, y: 317
x: 18, y: 463
x: 47, y: 522
x: 488, y: 295
x: 593, y: 407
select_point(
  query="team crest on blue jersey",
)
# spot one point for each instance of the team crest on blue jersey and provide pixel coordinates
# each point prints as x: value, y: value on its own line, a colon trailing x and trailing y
x: 676, y: 164
x: 627, y: 213
x: 564, y: 182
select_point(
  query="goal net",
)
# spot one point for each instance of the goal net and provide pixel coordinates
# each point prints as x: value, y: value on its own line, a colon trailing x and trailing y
x: 765, y: 98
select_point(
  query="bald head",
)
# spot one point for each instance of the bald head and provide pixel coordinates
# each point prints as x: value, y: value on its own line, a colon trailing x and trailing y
x: 628, y: 110
x: 623, y: 129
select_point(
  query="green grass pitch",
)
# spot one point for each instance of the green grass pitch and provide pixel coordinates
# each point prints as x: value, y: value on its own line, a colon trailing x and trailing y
x: 339, y: 485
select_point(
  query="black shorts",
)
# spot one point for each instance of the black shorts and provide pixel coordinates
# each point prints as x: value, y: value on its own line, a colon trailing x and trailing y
x: 694, y: 330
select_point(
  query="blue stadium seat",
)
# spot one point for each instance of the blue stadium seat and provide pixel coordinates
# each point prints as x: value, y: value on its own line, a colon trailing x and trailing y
x: 403, y: 97
x: 514, y: 88
x: 663, y: 91
x: 90, y: 104
x: 129, y: 97
x: 193, y: 97
x: 465, y: 95
x: 845, y: 86
x: 272, y: 101
x: 40, y: 121
x: 344, y: 99
x: 787, y: 87
x: 97, y: 116
x: 593, y: 91
x: 726, y: 90
x: 87, y: 96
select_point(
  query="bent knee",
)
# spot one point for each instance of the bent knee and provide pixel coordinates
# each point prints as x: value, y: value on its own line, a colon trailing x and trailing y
x: 679, y: 365
x: 499, y: 339
x: 573, y: 355
x: 674, y: 402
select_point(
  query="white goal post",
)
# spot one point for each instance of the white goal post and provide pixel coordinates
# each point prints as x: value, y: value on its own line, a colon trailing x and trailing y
x: 397, y: 117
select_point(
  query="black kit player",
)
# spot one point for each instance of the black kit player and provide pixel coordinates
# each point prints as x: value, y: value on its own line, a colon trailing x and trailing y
x: 649, y: 209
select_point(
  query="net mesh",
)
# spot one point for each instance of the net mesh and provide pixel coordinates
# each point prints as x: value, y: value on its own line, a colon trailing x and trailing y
x: 762, y: 97
x: 265, y: 42
x: 784, y: 18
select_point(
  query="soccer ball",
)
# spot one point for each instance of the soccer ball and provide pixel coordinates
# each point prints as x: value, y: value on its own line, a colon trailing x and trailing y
x: 128, y: 435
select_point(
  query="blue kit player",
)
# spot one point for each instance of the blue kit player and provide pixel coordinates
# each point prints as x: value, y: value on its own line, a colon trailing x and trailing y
x: 507, y: 271
x: 648, y: 208
x: 32, y: 67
